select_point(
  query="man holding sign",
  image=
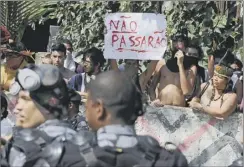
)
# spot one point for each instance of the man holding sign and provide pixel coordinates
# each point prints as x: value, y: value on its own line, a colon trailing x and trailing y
x: 135, y: 36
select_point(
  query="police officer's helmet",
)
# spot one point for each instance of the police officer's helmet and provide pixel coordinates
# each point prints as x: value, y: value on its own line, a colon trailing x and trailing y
x: 45, y: 85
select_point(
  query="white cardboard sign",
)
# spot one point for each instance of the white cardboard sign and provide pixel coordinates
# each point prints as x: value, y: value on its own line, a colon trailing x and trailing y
x: 140, y: 36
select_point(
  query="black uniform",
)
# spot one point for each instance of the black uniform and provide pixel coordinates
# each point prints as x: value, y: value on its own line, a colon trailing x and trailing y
x: 51, y: 144
x: 117, y: 146
x: 78, y: 122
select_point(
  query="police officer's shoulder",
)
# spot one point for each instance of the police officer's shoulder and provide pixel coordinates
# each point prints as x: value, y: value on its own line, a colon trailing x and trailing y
x: 169, y: 155
x: 148, y: 142
x: 172, y: 155
x: 27, y: 134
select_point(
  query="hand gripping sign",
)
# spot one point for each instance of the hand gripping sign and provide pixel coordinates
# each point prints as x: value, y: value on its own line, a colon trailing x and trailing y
x: 140, y: 36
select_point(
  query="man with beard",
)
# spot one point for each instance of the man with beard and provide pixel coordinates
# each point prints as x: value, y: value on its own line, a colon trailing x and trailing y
x: 93, y: 60
x: 177, y: 78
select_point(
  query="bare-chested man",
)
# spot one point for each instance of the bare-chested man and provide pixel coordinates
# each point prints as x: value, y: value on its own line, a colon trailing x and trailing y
x: 176, y: 79
x: 216, y: 97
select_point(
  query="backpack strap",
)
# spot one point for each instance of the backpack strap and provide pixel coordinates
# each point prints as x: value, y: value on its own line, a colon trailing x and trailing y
x: 204, y: 89
x: 150, y: 149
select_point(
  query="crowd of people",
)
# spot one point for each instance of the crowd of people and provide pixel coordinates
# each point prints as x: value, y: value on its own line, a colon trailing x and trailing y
x: 70, y: 113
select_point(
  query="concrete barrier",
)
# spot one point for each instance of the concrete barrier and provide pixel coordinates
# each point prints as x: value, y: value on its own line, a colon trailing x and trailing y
x: 204, y: 140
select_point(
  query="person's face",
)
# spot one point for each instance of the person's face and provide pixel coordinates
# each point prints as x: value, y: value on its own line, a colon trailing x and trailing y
x: 95, y: 114
x: 13, y: 60
x: 178, y: 44
x: 26, y: 111
x: 219, y: 82
x: 88, y: 65
x: 192, y: 52
x: 46, y: 60
x: 58, y: 58
x: 68, y: 49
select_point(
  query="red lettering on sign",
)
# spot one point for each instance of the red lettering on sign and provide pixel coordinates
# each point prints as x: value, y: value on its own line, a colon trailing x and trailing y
x: 138, y: 41
x: 131, y: 40
x: 114, y: 39
x: 143, y: 41
x: 113, y: 22
x: 133, y: 26
x: 123, y: 26
x: 122, y: 41
x: 150, y: 39
x: 158, y: 42
x: 126, y: 17
x: 124, y: 35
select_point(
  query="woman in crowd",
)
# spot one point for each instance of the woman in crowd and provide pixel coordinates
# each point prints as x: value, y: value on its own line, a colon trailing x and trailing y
x: 216, y: 96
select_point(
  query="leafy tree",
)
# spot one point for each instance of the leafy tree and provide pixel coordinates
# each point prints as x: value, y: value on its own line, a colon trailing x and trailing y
x: 207, y: 24
x: 16, y: 15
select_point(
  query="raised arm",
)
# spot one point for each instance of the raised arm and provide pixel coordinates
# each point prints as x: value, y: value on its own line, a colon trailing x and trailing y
x: 186, y: 81
x: 146, y: 75
x: 113, y: 64
x: 153, y: 86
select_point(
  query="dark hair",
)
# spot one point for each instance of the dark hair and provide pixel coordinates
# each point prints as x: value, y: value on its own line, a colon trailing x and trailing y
x: 95, y: 55
x: 68, y: 42
x: 4, y: 104
x: 59, y: 47
x: 125, y: 99
x: 229, y: 58
x: 229, y: 87
x: 198, y: 48
x: 74, y: 97
x: 238, y: 63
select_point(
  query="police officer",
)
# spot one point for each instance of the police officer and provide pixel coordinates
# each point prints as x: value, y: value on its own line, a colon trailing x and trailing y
x: 42, y: 139
x: 114, y: 102
x: 75, y: 117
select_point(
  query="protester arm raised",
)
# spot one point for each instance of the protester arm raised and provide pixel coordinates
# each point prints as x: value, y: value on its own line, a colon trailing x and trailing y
x: 152, y: 89
x: 146, y: 75
x: 210, y: 66
x: 186, y: 81
x: 113, y: 64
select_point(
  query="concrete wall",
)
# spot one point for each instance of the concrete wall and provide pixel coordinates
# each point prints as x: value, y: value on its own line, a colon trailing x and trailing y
x: 204, y: 140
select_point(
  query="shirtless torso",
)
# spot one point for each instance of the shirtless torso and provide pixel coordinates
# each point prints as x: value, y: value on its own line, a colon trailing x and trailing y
x: 221, y: 106
x: 217, y: 101
x: 169, y: 91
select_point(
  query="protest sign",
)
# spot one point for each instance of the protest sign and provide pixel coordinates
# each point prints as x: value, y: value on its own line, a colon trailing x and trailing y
x: 138, y: 36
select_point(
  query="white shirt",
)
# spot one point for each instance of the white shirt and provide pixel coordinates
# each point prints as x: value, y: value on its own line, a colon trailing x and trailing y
x: 69, y: 63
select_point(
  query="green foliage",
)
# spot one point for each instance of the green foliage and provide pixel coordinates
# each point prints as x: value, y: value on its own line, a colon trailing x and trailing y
x: 16, y: 15
x: 83, y: 22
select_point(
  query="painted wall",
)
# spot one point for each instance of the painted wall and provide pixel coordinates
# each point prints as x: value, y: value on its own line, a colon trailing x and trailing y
x: 204, y: 140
